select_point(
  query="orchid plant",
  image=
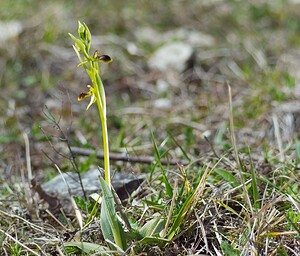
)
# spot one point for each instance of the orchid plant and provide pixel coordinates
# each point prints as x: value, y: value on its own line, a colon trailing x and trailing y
x: 95, y: 91
x: 110, y: 225
x: 159, y: 230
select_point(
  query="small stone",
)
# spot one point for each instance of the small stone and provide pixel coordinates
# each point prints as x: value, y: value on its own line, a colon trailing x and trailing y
x: 171, y: 56
x: 192, y: 37
x: 9, y: 30
x: 162, y: 103
x: 162, y: 86
x: 148, y: 34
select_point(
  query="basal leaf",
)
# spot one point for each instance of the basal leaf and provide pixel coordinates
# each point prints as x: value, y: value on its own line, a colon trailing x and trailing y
x: 154, y: 226
x: 88, y: 248
x: 110, y: 226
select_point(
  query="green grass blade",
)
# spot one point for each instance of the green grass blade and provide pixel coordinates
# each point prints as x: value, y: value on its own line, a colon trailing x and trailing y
x: 226, y: 175
x: 228, y: 208
x: 181, y: 214
x: 169, y: 189
x: 254, y: 185
x: 154, y: 240
x: 179, y: 146
x: 191, y: 201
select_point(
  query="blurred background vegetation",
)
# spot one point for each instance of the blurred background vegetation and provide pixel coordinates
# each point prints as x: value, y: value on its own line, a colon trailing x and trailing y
x: 254, y: 44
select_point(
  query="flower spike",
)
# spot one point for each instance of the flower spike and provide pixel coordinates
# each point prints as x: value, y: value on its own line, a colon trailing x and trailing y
x: 95, y: 91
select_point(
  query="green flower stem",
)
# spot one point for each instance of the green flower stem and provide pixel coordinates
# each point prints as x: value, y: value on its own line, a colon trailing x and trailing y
x: 96, y: 92
x: 102, y: 115
x: 101, y: 104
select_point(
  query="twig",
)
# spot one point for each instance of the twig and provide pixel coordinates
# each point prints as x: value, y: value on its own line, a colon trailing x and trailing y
x: 64, y: 138
x: 123, y: 157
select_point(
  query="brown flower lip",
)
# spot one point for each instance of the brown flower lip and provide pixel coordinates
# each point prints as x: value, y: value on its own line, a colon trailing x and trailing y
x: 102, y: 57
x: 83, y: 95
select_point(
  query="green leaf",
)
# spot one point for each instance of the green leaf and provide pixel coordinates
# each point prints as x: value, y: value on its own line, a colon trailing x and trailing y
x: 152, y: 227
x: 79, y: 46
x: 228, y: 250
x: 110, y: 226
x: 227, y: 176
x: 105, y: 223
x: 228, y: 208
x: 78, y: 43
x: 154, y: 240
x: 88, y: 248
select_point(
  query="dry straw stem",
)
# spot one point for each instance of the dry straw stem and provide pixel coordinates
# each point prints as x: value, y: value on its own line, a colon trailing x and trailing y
x: 236, y: 153
x: 28, y: 160
x: 75, y: 207
x: 278, y: 137
x: 164, y: 232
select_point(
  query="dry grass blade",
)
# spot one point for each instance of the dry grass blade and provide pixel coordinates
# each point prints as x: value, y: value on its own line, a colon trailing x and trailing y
x: 28, y: 160
x: 164, y: 232
x: 278, y: 137
x: 233, y: 141
x: 75, y: 207
x: 19, y: 243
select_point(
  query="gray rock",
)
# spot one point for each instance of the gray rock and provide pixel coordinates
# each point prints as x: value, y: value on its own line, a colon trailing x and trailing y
x: 148, y: 35
x: 171, y: 56
x: 57, y: 186
x: 123, y: 183
x: 177, y: 48
x: 191, y: 37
